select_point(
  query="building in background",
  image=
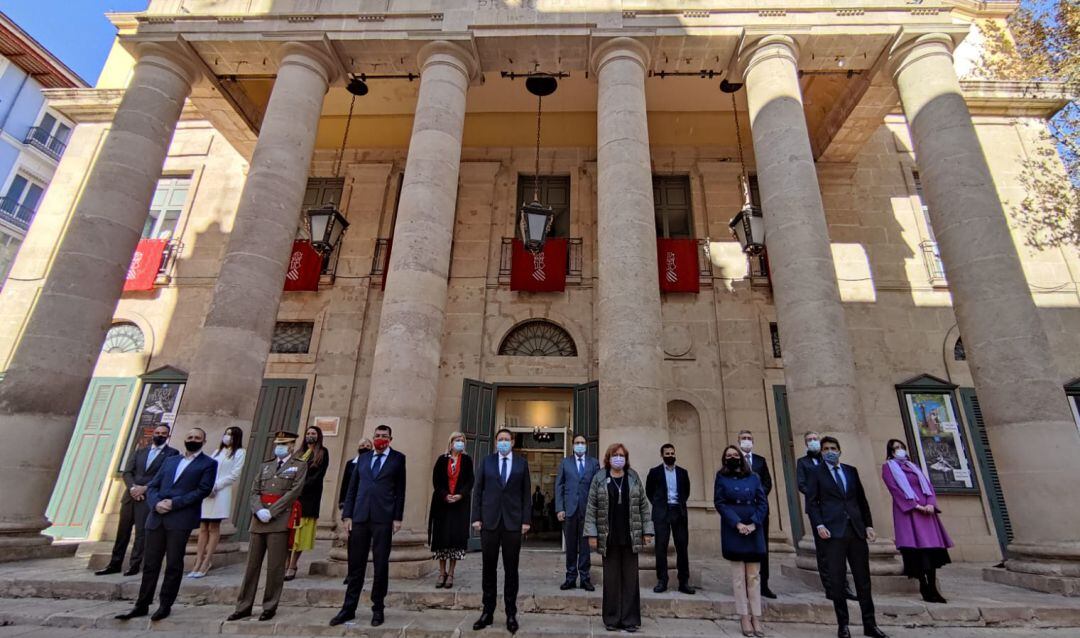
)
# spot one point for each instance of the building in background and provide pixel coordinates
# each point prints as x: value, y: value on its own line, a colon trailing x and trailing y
x: 33, y: 136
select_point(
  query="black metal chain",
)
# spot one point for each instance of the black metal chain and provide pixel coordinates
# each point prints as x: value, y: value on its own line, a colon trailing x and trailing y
x: 536, y: 176
x: 743, y: 181
x: 344, y: 138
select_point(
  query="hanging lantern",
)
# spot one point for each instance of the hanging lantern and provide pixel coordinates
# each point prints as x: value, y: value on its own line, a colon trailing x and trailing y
x: 326, y: 226
x: 748, y: 225
x: 535, y: 220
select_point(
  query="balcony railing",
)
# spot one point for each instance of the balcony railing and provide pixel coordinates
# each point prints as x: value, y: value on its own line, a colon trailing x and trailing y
x: 759, y: 269
x: 15, y: 213
x: 934, y: 268
x: 573, y: 260
x: 168, y: 255
x: 43, y: 140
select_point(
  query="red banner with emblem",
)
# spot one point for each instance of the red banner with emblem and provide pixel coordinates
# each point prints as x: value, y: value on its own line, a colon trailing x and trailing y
x: 544, y: 271
x: 304, y: 268
x: 145, y: 264
x: 678, y: 262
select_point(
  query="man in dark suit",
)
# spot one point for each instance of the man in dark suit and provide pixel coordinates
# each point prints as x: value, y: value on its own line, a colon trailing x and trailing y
x: 175, y: 499
x: 668, y: 488
x: 805, y: 466
x: 140, y: 469
x: 571, y: 496
x: 761, y: 468
x: 502, y: 513
x: 374, y: 507
x: 840, y: 514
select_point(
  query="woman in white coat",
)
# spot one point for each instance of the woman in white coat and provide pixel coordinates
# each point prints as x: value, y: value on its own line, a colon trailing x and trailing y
x: 218, y: 506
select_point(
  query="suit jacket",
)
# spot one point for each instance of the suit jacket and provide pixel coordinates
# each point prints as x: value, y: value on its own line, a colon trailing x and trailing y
x: 656, y: 489
x: 376, y: 498
x: 499, y: 506
x: 286, y: 482
x: 804, y: 467
x: 187, y: 492
x: 136, y: 472
x: 761, y: 468
x: 346, y: 478
x: 829, y: 505
x: 572, y: 488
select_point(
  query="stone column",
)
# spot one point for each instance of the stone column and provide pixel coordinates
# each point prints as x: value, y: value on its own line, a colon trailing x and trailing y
x: 42, y: 390
x: 228, y: 366
x: 1020, y: 391
x: 628, y: 298
x: 819, y: 367
x: 405, y: 369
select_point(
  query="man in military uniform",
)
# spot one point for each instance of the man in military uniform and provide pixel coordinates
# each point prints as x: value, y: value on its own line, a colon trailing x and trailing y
x: 273, y: 493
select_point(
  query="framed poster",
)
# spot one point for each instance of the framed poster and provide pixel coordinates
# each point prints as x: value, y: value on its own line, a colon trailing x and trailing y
x: 935, y: 436
x: 328, y: 424
x: 159, y: 401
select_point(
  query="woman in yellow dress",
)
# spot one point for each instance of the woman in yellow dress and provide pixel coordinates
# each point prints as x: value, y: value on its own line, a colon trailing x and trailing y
x: 312, y: 452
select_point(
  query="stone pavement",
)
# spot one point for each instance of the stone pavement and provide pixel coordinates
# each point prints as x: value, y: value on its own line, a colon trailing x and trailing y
x: 62, y: 593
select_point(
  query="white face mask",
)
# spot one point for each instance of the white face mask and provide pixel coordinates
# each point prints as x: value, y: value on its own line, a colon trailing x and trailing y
x: 900, y: 454
x: 226, y: 440
x: 746, y: 445
x: 814, y: 446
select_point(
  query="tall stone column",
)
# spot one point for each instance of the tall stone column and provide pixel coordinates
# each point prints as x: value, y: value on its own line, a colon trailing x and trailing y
x: 43, y: 388
x: 405, y: 369
x: 227, y: 370
x: 1020, y: 391
x: 628, y: 299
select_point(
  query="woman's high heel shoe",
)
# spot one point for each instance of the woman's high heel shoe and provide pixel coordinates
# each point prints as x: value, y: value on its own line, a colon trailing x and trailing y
x: 441, y: 582
x: 747, y: 627
x: 759, y: 628
x: 449, y: 583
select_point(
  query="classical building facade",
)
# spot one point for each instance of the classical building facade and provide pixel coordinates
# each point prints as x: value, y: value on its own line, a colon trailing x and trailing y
x: 881, y: 174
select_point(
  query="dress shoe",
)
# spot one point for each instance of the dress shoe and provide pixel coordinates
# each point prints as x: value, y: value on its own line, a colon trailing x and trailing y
x: 109, y: 569
x: 843, y: 632
x: 611, y: 628
x: 874, y: 632
x: 267, y: 614
x: 660, y: 587
x: 161, y: 613
x: 132, y: 571
x: 377, y: 618
x: 630, y: 629
x: 138, y: 612
x: 511, y: 624
x: 687, y: 589
x: 567, y: 584
x: 238, y: 615
x: 485, y: 620
x: 768, y: 593
x: 342, y: 618
x: 587, y: 585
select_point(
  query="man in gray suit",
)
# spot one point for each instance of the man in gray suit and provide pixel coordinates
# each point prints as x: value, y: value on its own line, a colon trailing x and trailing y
x: 571, y: 496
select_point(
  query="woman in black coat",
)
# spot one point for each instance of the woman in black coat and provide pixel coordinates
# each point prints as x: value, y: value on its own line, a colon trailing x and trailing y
x: 740, y: 501
x: 448, y: 521
x: 313, y: 452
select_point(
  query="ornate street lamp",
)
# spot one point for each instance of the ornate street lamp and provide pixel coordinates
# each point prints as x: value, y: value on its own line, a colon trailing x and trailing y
x: 748, y: 225
x: 325, y: 227
x: 535, y: 219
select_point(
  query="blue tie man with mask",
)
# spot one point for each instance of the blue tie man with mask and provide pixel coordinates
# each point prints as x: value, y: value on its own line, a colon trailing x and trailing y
x: 571, y: 496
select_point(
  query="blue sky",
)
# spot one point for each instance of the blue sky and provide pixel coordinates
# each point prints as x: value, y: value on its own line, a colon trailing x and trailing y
x: 76, y: 31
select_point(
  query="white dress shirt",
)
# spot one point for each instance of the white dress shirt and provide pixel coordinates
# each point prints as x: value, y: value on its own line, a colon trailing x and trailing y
x: 184, y: 462
x: 672, y: 484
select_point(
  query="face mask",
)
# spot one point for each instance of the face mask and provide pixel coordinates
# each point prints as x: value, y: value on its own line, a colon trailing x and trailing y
x: 669, y: 460
x: 311, y: 440
x: 226, y: 440
x: 459, y: 446
x: 746, y: 445
x: 618, y: 462
x: 160, y: 440
x: 281, y: 451
x: 831, y: 457
x: 503, y: 447
x: 579, y: 449
x: 814, y: 446
x: 900, y: 453
x: 381, y: 444
x: 193, y: 446
x: 733, y: 464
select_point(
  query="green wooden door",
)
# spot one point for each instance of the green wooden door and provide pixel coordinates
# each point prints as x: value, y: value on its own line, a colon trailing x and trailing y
x: 980, y: 443
x: 787, y: 454
x: 281, y: 401
x: 478, y: 424
x: 587, y: 415
x: 86, y: 463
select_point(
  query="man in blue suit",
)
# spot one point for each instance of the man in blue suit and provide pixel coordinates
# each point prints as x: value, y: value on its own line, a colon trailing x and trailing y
x: 373, y: 509
x: 502, y: 513
x: 174, y: 497
x: 571, y: 495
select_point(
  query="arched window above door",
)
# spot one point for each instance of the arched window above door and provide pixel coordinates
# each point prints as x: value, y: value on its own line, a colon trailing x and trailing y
x: 538, y: 338
x: 124, y: 338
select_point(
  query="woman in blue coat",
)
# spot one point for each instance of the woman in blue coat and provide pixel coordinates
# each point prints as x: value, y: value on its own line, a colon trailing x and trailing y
x: 740, y: 500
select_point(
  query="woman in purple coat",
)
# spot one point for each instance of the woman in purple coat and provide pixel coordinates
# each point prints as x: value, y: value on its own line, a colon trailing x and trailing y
x: 920, y: 536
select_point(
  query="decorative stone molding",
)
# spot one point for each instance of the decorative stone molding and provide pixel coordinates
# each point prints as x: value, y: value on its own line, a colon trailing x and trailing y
x: 310, y: 56
x: 451, y: 54
x: 173, y: 60
x: 616, y: 48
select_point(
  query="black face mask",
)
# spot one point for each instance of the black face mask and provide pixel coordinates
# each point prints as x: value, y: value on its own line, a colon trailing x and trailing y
x: 312, y: 440
x: 159, y: 440
x: 733, y: 464
x: 193, y: 446
x: 669, y: 460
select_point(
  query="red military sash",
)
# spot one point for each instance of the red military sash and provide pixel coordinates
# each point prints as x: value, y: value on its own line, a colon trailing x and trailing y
x: 294, y: 513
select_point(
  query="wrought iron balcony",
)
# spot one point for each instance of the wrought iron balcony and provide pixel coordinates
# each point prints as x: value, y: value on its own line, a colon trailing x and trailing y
x: 935, y: 269
x: 43, y: 140
x: 15, y: 213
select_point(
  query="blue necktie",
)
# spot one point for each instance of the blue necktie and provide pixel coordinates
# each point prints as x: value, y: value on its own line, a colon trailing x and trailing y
x: 378, y: 465
x: 580, y: 467
x: 505, y: 476
x: 839, y: 479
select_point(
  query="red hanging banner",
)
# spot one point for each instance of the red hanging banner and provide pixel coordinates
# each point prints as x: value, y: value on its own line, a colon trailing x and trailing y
x: 305, y: 266
x: 678, y: 262
x: 145, y: 264
x: 544, y: 271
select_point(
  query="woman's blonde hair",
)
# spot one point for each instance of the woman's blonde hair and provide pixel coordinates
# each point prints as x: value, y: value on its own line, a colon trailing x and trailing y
x: 450, y: 441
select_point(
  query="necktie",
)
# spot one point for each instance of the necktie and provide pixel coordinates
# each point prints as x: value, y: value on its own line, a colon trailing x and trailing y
x: 279, y: 464
x: 839, y: 479
x: 580, y: 467
x: 378, y: 465
x: 150, y: 456
x: 505, y: 476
